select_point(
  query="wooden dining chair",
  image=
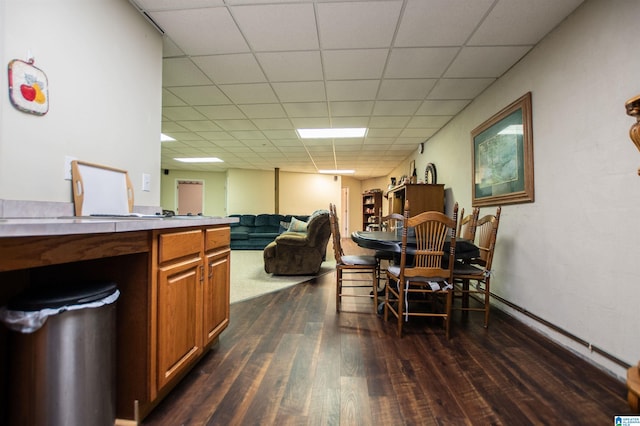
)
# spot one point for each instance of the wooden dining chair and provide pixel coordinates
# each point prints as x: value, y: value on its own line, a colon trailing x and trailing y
x: 351, y: 268
x: 478, y: 270
x: 431, y: 275
x: 467, y: 224
x: 388, y: 223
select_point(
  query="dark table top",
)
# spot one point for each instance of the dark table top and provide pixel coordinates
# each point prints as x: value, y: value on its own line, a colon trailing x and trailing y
x: 392, y: 242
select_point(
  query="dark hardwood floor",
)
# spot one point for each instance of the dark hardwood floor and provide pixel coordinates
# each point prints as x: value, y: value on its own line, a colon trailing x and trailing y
x: 289, y: 358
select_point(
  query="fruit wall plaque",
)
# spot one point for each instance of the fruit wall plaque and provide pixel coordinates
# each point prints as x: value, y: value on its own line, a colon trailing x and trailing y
x: 28, y: 87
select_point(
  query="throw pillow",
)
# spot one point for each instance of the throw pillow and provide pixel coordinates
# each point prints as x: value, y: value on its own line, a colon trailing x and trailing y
x: 284, y: 226
x: 297, y: 225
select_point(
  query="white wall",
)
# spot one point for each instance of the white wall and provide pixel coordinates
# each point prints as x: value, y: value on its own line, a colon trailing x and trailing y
x: 571, y: 256
x: 304, y: 193
x: 104, y: 67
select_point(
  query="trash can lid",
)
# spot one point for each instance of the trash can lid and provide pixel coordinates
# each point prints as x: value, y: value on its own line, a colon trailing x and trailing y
x: 58, y: 295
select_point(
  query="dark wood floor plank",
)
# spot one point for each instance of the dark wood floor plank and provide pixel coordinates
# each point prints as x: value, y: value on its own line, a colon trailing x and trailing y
x: 287, y: 358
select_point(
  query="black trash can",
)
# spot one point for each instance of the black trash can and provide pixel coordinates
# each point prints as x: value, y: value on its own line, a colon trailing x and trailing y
x: 62, y: 355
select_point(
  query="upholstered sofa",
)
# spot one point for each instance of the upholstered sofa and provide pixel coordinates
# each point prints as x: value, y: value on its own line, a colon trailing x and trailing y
x: 299, y: 253
x: 254, y: 232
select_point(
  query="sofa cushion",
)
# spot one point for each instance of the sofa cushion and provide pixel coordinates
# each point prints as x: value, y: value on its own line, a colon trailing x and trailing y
x: 248, y: 220
x: 262, y: 220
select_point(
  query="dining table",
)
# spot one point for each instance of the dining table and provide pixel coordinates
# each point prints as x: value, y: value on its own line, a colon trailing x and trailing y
x: 390, y: 241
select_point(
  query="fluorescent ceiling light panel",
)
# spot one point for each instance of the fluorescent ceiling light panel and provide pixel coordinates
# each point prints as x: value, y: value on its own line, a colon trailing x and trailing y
x: 200, y: 160
x: 337, y: 172
x: 348, y: 132
x: 166, y: 138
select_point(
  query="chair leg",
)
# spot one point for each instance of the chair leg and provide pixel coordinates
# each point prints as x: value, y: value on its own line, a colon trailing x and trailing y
x: 447, y: 318
x: 375, y: 291
x: 401, y: 308
x: 338, y: 288
x: 487, y: 305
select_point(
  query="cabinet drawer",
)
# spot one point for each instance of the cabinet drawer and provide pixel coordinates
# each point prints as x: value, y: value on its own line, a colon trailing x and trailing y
x: 217, y: 237
x: 179, y: 244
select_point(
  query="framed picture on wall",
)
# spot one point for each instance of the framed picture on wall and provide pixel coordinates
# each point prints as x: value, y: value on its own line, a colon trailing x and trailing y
x: 502, y: 157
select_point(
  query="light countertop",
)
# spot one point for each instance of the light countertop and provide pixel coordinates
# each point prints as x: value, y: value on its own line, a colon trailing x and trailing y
x: 30, y: 227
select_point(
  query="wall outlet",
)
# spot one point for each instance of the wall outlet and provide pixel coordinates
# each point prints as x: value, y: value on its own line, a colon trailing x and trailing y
x: 146, y: 182
x: 67, y: 166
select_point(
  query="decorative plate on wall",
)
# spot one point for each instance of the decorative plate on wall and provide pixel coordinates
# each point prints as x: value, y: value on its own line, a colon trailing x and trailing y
x: 28, y: 87
x: 430, y: 175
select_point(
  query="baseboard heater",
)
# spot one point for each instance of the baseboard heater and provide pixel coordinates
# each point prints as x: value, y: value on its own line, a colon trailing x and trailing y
x: 562, y: 331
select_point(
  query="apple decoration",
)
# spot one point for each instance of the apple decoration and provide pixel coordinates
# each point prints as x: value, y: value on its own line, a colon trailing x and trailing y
x: 28, y: 92
x: 28, y: 87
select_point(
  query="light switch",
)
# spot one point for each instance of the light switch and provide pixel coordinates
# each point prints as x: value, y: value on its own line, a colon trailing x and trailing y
x: 146, y: 182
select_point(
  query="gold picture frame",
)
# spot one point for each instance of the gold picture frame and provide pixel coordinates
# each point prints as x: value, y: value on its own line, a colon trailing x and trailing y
x: 502, y: 157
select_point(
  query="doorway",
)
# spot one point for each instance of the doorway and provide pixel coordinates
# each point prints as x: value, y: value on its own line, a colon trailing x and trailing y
x: 190, y: 196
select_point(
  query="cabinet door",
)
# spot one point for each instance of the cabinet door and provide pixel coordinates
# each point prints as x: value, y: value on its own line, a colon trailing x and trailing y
x: 216, y: 294
x: 179, y: 307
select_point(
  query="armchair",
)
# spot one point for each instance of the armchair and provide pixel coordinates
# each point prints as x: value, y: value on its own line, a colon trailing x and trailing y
x: 299, y: 253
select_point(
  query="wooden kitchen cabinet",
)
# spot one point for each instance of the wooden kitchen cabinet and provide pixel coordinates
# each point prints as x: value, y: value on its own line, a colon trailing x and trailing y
x: 192, y: 306
x: 173, y: 277
x: 216, y: 284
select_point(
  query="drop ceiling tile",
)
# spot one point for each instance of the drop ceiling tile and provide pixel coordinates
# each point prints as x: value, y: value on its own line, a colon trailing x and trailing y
x: 171, y: 126
x: 258, y: 93
x: 300, y: 91
x: 388, y: 122
x: 182, y: 137
x: 306, y: 109
x: 442, y: 107
x: 280, y: 134
x: 229, y: 69
x: 348, y: 109
x: 391, y: 89
x: 169, y: 99
x: 392, y: 108
x: 517, y: 22
x: 202, y: 31
x: 221, y: 112
x: 350, y: 121
x: 461, y: 88
x: 354, y: 64
x: 182, y: 72
x: 493, y: 61
x: 220, y: 138
x: 352, y: 90
x: 176, y: 4
x: 427, y: 62
x: 291, y: 66
x: 273, y: 123
x: 383, y: 133
x: 247, y: 135
x: 311, y: 123
x: 263, y: 111
x: 429, y: 121
x: 357, y: 24
x: 200, y: 95
x: 278, y: 27
x: 439, y: 22
x: 199, y: 126
x: 230, y: 125
x: 182, y: 113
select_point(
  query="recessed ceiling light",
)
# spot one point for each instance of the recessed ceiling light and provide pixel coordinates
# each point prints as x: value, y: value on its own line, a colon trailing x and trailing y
x: 337, y: 172
x: 166, y: 138
x: 200, y: 160
x: 351, y: 132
